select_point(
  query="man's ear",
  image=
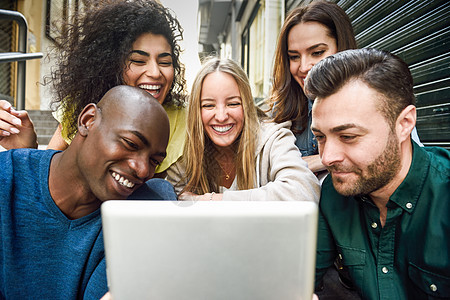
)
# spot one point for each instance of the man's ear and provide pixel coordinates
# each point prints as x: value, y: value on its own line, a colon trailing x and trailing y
x: 406, y: 122
x: 87, y: 118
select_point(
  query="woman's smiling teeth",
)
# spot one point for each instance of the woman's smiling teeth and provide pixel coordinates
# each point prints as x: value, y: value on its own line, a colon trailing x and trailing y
x: 122, y: 181
x: 222, y: 129
x: 152, y: 89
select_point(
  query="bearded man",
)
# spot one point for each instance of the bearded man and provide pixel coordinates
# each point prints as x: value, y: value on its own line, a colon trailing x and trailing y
x: 385, y: 206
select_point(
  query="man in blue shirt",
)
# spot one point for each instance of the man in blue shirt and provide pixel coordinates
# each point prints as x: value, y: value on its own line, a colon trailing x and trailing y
x: 384, y: 209
x: 50, y: 226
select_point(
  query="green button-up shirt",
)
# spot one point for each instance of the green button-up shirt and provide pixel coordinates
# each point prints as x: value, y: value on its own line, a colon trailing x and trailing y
x: 408, y: 258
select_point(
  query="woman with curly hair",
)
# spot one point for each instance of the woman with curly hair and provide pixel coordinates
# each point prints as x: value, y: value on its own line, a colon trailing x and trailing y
x: 114, y: 42
x: 232, y: 151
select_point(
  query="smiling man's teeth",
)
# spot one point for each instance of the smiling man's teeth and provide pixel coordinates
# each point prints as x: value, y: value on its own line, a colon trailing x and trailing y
x: 122, y: 180
x: 222, y: 128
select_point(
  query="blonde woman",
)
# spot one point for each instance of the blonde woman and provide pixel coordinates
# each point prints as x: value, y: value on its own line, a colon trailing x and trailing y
x: 232, y: 151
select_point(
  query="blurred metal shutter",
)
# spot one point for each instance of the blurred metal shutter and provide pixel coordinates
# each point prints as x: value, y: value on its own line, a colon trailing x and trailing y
x: 418, y: 31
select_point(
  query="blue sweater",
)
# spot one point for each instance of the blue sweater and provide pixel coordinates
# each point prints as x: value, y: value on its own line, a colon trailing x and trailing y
x: 43, y: 254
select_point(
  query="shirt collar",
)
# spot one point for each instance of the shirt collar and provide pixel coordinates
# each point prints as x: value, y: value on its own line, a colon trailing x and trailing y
x: 310, y: 104
x: 408, y: 192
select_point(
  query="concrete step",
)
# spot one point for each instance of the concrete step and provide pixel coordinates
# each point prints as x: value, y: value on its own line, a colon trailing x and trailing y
x: 45, y: 130
x: 44, y: 124
x: 41, y: 115
x: 43, y: 140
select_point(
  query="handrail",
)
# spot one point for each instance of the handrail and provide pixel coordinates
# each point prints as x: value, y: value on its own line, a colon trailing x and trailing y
x: 18, y: 56
x: 22, y: 47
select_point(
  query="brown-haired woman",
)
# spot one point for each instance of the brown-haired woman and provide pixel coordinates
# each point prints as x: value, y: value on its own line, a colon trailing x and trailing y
x: 309, y: 34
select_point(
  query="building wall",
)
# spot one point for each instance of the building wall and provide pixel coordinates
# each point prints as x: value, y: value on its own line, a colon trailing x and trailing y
x: 37, y: 96
x: 261, y: 21
x: 274, y: 16
x: 186, y: 13
x: 32, y: 12
x: 47, y: 62
x: 7, y: 37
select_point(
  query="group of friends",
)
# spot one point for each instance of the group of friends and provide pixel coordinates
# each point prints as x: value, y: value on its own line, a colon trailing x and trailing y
x: 129, y: 130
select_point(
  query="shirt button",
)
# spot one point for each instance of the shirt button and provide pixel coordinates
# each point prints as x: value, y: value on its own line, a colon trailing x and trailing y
x: 374, y: 225
x: 408, y: 205
x: 433, y: 287
x: 385, y: 270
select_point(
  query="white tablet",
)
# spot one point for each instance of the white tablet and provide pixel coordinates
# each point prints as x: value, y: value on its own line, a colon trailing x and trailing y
x: 210, y: 249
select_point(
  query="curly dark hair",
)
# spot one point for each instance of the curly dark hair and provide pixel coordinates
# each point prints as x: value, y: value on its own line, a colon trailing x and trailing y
x: 92, y: 53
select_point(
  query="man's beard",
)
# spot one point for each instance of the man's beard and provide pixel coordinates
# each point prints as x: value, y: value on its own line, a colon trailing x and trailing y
x: 375, y: 176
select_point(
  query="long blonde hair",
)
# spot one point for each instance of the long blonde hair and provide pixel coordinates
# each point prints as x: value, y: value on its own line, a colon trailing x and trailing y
x: 201, y: 166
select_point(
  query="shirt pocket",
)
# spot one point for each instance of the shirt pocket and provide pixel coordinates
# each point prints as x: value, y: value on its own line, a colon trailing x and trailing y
x: 432, y: 284
x: 354, y: 261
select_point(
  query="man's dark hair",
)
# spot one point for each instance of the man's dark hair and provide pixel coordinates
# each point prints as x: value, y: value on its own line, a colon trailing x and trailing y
x: 382, y: 71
